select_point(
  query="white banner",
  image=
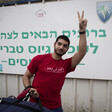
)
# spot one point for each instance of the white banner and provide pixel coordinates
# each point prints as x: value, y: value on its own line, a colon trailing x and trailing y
x: 30, y: 30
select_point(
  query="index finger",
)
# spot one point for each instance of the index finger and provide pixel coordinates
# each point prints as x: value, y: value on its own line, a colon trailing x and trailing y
x: 78, y: 15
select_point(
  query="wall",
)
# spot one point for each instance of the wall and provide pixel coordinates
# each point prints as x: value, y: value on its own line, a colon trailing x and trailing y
x: 78, y: 95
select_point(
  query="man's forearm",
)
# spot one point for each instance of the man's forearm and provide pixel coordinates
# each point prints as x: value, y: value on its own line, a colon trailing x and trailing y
x: 26, y: 78
x: 82, y: 44
x: 26, y: 81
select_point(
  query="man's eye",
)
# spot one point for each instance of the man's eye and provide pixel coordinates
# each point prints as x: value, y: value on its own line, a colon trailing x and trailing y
x: 65, y: 46
x: 59, y: 43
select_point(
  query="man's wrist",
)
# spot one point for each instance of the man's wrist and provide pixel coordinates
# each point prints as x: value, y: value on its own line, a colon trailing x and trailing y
x: 82, y: 32
x: 28, y: 87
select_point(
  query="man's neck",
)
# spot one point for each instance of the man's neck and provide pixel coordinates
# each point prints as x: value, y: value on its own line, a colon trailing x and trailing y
x: 55, y: 56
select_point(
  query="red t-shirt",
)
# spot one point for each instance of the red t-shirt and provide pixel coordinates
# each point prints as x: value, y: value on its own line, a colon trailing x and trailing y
x: 49, y: 78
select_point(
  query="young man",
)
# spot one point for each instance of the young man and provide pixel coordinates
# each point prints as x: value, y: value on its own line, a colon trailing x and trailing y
x: 50, y: 69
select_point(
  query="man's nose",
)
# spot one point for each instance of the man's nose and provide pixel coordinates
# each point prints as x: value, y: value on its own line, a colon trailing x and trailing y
x: 61, y: 47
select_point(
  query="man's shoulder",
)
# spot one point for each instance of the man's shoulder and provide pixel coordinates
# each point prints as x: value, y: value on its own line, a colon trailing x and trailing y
x: 40, y: 58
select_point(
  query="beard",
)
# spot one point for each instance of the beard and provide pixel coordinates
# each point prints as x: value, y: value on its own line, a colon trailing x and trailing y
x: 59, y: 54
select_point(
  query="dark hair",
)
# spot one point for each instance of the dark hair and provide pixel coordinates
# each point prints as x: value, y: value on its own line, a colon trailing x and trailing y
x: 64, y: 38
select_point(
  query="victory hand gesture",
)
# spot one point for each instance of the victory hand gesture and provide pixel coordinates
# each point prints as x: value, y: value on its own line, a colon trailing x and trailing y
x: 82, y: 22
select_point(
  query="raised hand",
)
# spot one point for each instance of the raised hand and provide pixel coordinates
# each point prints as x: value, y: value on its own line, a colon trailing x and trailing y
x: 82, y: 22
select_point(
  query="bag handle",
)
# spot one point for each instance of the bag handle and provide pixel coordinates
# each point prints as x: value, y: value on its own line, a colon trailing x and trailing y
x: 40, y: 104
x: 26, y: 98
x: 38, y: 101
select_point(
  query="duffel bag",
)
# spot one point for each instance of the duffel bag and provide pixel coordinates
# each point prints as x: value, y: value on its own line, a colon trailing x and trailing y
x: 21, y: 105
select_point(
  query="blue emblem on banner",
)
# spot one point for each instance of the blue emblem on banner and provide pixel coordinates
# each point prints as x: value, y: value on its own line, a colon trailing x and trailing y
x: 104, y: 10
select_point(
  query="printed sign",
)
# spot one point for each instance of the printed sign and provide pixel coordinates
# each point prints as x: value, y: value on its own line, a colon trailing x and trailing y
x: 30, y: 30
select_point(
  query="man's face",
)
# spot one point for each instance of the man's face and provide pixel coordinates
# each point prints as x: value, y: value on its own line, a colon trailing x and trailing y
x: 61, y: 47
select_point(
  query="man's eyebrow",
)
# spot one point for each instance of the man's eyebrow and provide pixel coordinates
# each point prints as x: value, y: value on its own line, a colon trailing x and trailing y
x: 60, y: 42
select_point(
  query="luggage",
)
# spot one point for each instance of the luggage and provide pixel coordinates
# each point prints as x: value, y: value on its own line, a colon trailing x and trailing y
x: 20, y: 104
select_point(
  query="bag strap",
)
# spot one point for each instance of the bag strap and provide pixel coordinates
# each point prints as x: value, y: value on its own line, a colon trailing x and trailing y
x: 24, y: 98
x: 40, y: 104
x: 38, y: 101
